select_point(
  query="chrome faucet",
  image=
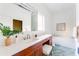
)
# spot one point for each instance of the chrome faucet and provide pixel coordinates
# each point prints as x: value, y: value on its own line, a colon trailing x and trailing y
x: 28, y: 36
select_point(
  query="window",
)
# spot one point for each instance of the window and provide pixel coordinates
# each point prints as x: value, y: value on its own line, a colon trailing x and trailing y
x: 41, y: 22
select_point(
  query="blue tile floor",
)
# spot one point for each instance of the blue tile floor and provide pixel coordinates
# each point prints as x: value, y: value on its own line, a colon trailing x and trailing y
x: 62, y: 51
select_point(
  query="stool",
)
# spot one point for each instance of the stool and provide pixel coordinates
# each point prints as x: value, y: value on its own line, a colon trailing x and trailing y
x: 47, y: 49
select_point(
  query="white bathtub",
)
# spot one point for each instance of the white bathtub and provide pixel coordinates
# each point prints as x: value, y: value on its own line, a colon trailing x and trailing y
x: 64, y: 41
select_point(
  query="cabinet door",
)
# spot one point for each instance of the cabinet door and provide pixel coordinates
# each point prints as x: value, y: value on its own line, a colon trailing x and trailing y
x: 38, y: 50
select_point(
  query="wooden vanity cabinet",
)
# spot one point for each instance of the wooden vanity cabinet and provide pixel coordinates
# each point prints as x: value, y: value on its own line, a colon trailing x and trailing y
x: 36, y: 49
x: 25, y: 52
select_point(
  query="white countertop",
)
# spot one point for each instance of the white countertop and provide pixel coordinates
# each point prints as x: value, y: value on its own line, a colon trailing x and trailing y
x: 19, y: 46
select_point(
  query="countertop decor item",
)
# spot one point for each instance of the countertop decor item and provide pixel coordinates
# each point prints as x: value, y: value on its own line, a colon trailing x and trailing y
x: 7, y: 32
x: 8, y: 41
x: 35, y: 35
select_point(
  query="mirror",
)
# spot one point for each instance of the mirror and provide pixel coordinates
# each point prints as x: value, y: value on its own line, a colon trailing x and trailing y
x: 13, y: 16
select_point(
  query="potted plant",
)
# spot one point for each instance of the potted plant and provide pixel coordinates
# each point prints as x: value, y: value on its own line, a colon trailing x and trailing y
x: 7, y: 32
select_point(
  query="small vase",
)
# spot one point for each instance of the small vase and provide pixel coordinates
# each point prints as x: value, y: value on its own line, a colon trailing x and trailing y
x: 8, y: 41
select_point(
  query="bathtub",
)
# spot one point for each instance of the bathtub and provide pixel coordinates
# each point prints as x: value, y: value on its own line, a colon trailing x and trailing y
x: 64, y: 41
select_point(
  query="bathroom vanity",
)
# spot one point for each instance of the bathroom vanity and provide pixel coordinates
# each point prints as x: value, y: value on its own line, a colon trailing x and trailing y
x: 31, y: 47
x: 36, y: 49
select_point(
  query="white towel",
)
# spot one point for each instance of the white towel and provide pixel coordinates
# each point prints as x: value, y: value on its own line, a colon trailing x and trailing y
x: 47, y: 49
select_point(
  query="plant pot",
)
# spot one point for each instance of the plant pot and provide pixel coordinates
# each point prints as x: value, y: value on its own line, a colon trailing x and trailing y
x: 8, y: 41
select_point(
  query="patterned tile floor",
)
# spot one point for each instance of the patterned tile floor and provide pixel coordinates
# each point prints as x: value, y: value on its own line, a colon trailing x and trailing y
x: 62, y: 51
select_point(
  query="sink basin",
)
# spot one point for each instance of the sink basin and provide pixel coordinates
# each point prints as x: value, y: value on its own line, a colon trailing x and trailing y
x: 29, y: 40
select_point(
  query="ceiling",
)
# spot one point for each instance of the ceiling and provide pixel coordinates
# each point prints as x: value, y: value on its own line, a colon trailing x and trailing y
x: 59, y: 7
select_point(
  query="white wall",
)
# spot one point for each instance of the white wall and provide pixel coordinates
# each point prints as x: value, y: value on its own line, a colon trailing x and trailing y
x: 9, y: 11
x: 77, y: 14
x: 69, y: 18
